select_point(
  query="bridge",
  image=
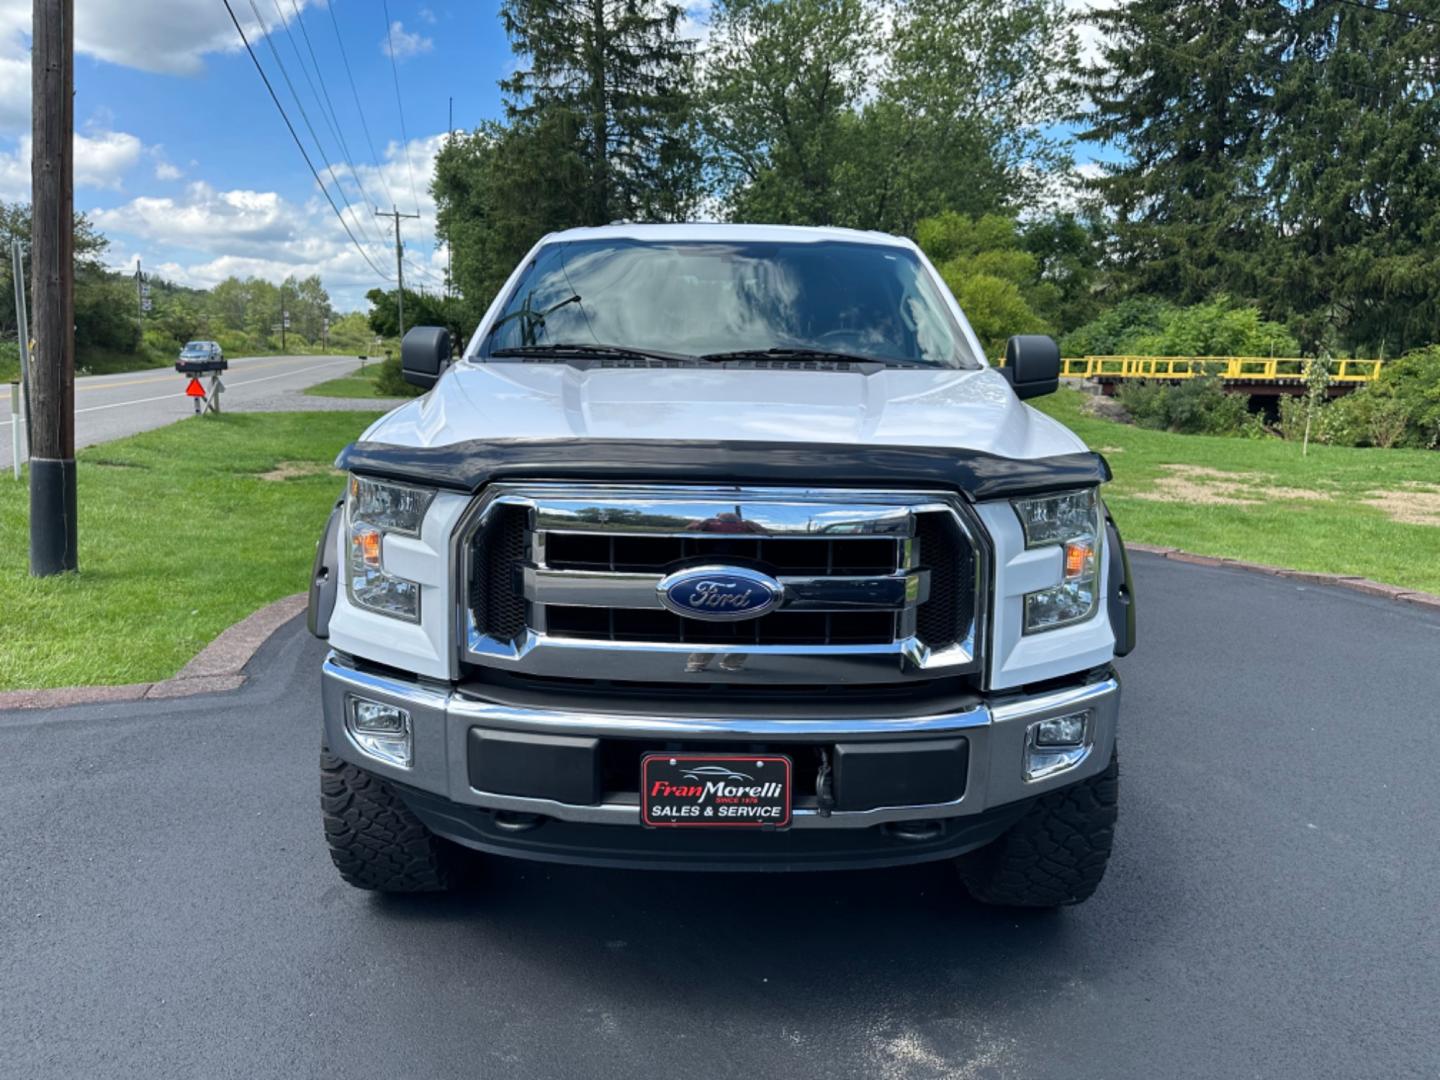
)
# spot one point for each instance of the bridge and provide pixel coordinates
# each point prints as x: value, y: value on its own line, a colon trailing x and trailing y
x: 1258, y: 375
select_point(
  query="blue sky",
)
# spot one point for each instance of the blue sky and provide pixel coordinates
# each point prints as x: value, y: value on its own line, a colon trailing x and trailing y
x: 183, y: 161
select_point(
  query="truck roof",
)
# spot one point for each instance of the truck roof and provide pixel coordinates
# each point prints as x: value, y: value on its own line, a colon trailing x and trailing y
x: 719, y: 231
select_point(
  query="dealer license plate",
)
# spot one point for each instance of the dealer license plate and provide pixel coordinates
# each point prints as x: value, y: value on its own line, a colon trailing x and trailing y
x: 715, y: 790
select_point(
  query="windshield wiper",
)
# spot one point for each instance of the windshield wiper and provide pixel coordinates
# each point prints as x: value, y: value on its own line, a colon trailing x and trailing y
x: 797, y: 352
x: 580, y: 350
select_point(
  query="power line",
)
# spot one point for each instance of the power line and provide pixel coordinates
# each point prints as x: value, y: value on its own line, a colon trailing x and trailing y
x: 305, y: 116
x: 395, y: 72
x: 321, y: 95
x: 298, y: 144
x: 355, y: 93
x: 329, y: 106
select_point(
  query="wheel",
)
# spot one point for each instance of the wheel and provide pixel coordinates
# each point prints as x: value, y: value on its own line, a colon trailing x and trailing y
x: 1053, y: 856
x: 376, y: 841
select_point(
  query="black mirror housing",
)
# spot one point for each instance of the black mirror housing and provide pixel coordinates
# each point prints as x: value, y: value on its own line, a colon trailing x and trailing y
x: 1032, y: 365
x: 424, y: 354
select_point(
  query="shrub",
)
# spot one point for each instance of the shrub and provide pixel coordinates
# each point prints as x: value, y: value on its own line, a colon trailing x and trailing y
x: 1197, y: 406
x: 1145, y: 326
x: 1344, y: 421
x: 1389, y: 418
x: 1293, y: 411
x: 391, y: 383
x: 1413, y: 382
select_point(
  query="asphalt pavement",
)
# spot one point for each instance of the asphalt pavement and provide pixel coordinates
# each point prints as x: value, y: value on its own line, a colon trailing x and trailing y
x: 112, y: 406
x: 167, y: 908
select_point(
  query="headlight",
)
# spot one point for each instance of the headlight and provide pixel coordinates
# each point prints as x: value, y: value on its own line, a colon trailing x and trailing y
x: 1070, y: 521
x: 375, y: 509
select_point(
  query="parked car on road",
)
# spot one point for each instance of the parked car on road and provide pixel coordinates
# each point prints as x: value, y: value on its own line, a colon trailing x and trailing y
x: 779, y: 449
x: 198, y: 357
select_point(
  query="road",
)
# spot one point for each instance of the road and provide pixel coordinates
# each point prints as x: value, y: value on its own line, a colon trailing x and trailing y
x: 169, y: 909
x: 111, y: 406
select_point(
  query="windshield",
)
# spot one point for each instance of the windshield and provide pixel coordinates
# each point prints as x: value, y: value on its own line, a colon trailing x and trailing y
x: 195, y: 346
x: 703, y: 298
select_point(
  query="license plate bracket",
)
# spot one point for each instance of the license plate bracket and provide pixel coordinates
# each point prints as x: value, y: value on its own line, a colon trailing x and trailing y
x: 715, y: 791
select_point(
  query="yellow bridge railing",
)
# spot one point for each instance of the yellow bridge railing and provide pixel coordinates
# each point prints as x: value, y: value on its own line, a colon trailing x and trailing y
x: 1230, y: 368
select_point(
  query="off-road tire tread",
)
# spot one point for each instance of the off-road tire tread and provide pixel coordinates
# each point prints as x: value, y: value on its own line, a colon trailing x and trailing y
x: 1056, y: 854
x: 376, y: 841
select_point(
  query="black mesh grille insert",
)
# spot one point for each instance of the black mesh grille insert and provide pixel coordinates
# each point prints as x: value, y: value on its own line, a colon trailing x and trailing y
x: 496, y: 587
x: 777, y: 628
x: 944, y: 618
x: 637, y: 554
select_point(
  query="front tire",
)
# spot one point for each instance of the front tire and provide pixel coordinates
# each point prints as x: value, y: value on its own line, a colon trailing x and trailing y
x: 1056, y: 854
x: 376, y: 841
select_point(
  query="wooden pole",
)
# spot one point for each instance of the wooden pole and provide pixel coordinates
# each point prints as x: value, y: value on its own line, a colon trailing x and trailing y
x: 52, y: 262
x: 399, y: 262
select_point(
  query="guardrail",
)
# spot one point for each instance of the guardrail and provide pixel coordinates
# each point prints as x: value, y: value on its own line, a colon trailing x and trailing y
x: 1229, y: 368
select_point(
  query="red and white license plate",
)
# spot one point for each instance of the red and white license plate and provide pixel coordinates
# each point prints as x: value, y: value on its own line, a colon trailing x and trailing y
x: 715, y: 790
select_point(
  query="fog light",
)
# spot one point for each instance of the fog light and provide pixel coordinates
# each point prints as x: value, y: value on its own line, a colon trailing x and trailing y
x: 382, y: 731
x: 1061, y: 730
x: 1056, y: 744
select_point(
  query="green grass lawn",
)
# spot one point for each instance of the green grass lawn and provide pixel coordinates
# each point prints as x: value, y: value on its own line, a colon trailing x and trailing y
x: 1260, y: 501
x: 183, y: 531
x: 360, y: 384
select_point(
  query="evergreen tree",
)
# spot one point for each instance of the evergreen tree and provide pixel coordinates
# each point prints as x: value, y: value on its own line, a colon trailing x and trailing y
x: 1355, y: 177
x: 1185, y: 90
x: 615, y: 75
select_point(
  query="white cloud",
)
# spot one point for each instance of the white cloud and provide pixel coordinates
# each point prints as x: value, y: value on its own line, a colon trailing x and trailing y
x: 204, y: 234
x: 401, y: 43
x: 102, y: 159
x: 1091, y: 37
x: 169, y: 36
x: 165, y: 171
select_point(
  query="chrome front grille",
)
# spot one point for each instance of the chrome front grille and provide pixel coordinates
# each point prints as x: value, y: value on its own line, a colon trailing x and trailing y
x: 564, y: 581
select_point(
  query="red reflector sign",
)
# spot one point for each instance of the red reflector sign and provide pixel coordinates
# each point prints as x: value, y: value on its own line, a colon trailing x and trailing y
x: 194, y: 389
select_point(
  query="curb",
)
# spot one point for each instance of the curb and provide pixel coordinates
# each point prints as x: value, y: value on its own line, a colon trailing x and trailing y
x: 216, y: 667
x: 1344, y: 581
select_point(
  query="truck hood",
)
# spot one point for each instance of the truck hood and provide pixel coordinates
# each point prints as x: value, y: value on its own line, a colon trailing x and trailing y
x: 970, y: 410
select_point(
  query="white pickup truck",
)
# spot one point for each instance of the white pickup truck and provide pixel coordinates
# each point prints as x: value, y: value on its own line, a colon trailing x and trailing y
x: 723, y: 547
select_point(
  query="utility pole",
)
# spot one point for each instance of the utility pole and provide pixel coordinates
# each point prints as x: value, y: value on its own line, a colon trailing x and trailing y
x: 283, y: 319
x: 399, y: 264
x: 52, y: 264
x: 139, y: 294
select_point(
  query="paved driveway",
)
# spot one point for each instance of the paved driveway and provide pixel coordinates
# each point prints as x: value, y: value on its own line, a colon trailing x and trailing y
x: 167, y: 908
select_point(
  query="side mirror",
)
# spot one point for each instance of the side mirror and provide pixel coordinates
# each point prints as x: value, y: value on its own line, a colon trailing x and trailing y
x: 1032, y: 364
x: 424, y: 354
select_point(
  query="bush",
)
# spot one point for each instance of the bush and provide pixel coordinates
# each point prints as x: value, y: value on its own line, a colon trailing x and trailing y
x: 1197, y: 406
x: 1413, y: 383
x: 391, y: 383
x: 1144, y: 326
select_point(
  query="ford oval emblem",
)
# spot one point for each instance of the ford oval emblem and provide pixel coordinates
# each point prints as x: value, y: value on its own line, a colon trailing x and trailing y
x: 720, y: 593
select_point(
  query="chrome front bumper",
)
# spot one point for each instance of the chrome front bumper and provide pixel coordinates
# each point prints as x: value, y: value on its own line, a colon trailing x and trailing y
x: 442, y: 718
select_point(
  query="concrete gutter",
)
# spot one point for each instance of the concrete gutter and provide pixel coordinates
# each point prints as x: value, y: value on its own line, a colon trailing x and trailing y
x: 1344, y: 581
x: 219, y: 666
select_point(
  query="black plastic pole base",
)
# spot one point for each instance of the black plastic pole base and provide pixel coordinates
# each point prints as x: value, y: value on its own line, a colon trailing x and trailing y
x: 52, y: 516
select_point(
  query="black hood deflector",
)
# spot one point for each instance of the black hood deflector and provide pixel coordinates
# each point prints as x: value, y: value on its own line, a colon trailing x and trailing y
x: 469, y: 466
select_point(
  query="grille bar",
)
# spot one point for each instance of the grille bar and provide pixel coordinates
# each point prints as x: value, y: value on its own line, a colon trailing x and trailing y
x: 584, y: 588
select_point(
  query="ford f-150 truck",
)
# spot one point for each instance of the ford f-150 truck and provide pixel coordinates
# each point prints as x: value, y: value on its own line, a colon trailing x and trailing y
x: 723, y: 547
